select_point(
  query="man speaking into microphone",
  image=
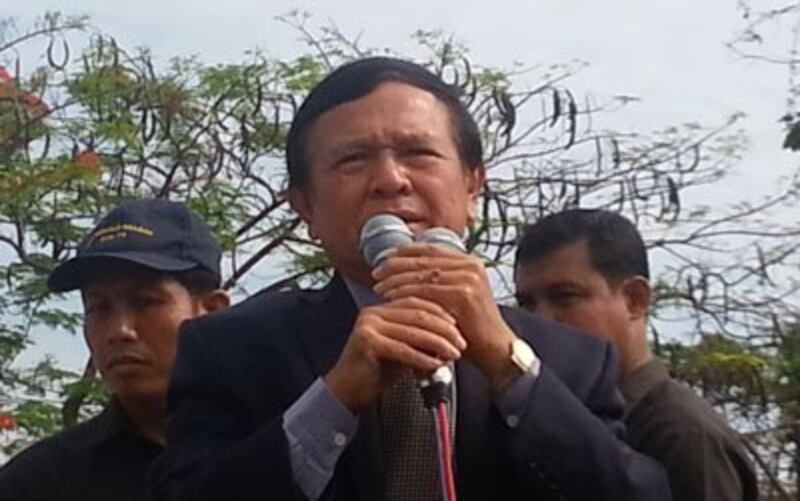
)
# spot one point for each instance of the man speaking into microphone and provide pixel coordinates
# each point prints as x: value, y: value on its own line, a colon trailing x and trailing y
x: 311, y: 394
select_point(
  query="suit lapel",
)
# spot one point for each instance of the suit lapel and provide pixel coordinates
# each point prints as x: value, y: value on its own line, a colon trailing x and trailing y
x: 323, y: 331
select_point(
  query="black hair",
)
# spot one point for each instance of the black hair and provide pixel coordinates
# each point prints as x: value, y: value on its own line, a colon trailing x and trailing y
x: 614, y: 244
x: 356, y: 79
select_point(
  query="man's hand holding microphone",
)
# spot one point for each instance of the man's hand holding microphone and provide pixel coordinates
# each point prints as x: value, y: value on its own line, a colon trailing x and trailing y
x: 439, y: 308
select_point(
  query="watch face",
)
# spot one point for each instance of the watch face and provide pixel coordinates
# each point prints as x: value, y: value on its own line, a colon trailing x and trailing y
x: 523, y: 356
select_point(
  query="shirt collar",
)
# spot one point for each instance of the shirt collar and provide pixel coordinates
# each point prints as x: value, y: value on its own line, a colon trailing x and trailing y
x: 105, y: 426
x: 362, y: 294
x: 637, y: 384
x: 111, y: 423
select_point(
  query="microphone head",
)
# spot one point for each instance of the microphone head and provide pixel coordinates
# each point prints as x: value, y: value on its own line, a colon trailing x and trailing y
x: 442, y: 237
x: 381, y: 234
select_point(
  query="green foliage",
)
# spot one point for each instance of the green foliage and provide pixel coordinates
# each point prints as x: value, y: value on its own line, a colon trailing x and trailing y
x: 718, y: 365
x: 38, y: 419
x: 77, y: 137
x: 116, y: 125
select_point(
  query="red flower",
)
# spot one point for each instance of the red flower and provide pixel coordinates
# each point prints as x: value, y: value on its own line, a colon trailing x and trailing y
x: 7, y: 422
x: 9, y: 89
x: 88, y: 159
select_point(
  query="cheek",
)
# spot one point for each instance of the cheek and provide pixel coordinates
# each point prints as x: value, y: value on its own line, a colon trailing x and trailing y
x: 585, y: 316
x: 449, y: 205
x: 92, y: 335
x: 605, y: 319
x: 161, y: 339
x: 581, y: 318
x: 335, y: 212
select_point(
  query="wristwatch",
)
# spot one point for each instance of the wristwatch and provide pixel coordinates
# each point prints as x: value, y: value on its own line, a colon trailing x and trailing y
x: 524, y: 358
x: 522, y: 361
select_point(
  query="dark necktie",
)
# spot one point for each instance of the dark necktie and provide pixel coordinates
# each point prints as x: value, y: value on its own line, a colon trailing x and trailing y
x: 409, y: 444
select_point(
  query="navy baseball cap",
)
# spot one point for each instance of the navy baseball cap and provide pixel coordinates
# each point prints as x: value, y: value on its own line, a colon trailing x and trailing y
x: 157, y: 234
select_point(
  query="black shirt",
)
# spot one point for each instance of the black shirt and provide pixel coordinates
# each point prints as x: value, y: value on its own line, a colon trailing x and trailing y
x: 101, y: 459
x: 703, y: 456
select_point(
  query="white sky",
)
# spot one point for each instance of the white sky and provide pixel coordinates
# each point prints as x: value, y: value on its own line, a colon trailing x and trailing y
x: 670, y: 54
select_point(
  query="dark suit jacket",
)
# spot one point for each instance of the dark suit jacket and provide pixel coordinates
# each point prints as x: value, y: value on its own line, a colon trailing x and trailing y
x: 238, y: 371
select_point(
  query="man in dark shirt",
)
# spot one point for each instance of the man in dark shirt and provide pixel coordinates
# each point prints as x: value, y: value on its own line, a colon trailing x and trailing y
x: 589, y: 269
x: 145, y: 268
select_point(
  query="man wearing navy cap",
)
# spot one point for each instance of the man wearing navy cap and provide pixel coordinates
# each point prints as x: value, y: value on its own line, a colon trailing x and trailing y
x: 145, y: 268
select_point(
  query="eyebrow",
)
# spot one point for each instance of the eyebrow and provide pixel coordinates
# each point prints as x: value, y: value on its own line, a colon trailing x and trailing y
x: 556, y: 286
x: 369, y: 141
x: 548, y: 288
x: 563, y: 283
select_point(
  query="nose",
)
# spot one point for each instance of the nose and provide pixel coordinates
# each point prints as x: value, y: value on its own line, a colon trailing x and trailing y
x: 389, y: 175
x: 121, y: 327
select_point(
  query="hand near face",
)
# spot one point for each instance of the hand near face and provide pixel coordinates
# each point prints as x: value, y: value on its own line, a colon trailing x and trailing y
x: 459, y: 284
x: 386, y: 339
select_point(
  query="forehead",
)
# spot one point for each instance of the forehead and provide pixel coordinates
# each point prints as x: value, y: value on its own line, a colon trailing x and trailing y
x: 569, y: 263
x: 390, y: 111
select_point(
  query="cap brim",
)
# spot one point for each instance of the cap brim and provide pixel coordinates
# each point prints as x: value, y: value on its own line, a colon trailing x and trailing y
x: 72, y: 273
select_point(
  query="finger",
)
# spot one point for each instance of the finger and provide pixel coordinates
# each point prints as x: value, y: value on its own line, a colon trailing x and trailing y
x: 429, y: 282
x: 396, y: 264
x: 419, y: 304
x: 401, y: 263
x: 397, y: 352
x: 427, y: 276
x: 410, y: 346
x: 420, y: 249
x: 443, y: 294
x: 420, y: 319
x: 421, y: 339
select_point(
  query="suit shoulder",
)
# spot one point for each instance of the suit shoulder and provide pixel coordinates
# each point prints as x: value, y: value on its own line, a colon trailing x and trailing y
x: 578, y: 359
x: 273, y: 306
x: 548, y: 335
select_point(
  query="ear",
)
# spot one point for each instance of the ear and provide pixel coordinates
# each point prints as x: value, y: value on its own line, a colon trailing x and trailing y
x: 300, y: 201
x: 474, y: 183
x: 215, y: 301
x: 637, y: 293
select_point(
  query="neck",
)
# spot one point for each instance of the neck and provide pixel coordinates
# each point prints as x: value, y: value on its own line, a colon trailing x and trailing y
x: 630, y: 365
x: 634, y: 354
x: 147, y: 416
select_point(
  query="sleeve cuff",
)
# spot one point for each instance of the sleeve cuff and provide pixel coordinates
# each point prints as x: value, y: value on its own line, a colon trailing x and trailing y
x: 512, y: 402
x: 318, y: 428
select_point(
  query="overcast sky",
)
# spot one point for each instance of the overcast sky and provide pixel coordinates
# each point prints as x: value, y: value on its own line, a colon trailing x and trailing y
x: 672, y: 55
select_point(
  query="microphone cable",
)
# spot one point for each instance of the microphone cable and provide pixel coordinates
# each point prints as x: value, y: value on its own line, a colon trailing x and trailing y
x: 444, y: 450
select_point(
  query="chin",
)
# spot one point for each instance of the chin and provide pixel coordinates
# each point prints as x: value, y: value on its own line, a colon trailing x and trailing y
x: 139, y: 392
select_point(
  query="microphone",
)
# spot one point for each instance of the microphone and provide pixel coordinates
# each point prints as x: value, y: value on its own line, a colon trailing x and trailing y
x: 442, y: 237
x: 381, y: 235
x: 435, y: 385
